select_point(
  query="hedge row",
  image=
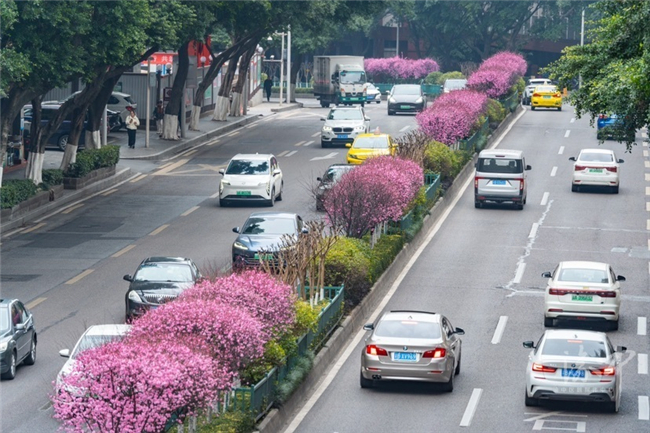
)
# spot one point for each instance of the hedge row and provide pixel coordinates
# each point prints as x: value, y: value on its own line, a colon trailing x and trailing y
x: 93, y: 159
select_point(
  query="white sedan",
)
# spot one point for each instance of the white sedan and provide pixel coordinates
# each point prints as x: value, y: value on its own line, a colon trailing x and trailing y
x: 585, y: 291
x: 596, y: 167
x: 574, y: 365
x: 251, y: 178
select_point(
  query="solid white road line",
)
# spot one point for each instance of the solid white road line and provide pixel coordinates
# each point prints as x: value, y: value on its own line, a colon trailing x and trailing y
x: 643, y: 363
x: 80, y: 276
x: 189, y: 211
x: 34, y: 303
x: 561, y: 151
x: 405, y: 128
x: 567, y: 133
x: 283, y: 153
x: 124, y: 250
x: 533, y: 230
x: 544, y: 199
x: 308, y: 143
x: 644, y: 407
x: 498, y: 332
x: 293, y: 152
x: 553, y: 171
x: 641, y: 325
x: 315, y: 134
x: 471, y: 407
x: 159, y: 229
x: 519, y: 273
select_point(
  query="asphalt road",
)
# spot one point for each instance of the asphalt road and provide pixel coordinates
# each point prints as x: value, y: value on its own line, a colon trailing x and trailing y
x: 482, y: 269
x: 68, y: 267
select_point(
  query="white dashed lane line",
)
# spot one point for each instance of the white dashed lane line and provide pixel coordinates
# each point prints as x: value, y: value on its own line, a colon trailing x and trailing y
x: 498, y: 332
x: 573, y: 119
x: 561, y: 151
x: 641, y: 325
x: 644, y: 408
x: 533, y: 230
x: 544, y: 199
x: 308, y: 143
x: 405, y: 128
x: 567, y: 133
x: 471, y: 407
x: 553, y: 171
x: 519, y: 274
x: 293, y: 152
x: 643, y: 363
x: 283, y: 153
x: 315, y: 134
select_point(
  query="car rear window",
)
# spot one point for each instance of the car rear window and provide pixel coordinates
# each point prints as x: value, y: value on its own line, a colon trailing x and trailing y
x: 574, y: 347
x: 245, y: 166
x: 583, y: 276
x: 596, y: 157
x: 546, y: 89
x: 499, y: 165
x: 128, y: 99
x: 407, y: 329
x: 91, y: 341
x: 169, y: 272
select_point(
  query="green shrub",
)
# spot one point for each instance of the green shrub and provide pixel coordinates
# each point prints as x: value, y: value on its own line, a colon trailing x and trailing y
x: 92, y: 159
x: 384, y: 252
x: 496, y: 112
x: 295, y: 377
x: 52, y: 177
x: 520, y: 86
x: 108, y: 156
x: 439, y: 158
x: 348, y: 263
x: 232, y: 421
x: 453, y: 75
x: 14, y: 191
x: 433, y: 78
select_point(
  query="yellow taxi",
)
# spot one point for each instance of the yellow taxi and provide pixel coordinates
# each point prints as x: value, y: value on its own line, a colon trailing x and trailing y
x: 546, y: 96
x: 368, y: 145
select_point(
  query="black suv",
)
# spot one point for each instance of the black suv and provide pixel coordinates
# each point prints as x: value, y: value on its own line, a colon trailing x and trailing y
x: 156, y: 281
x: 17, y: 337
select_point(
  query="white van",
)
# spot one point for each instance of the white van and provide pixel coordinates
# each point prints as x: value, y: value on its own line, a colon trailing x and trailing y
x: 500, y: 177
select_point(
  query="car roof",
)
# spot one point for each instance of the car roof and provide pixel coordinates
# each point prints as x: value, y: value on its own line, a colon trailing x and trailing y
x: 581, y: 334
x: 6, y: 301
x: 122, y: 94
x: 591, y: 150
x: 453, y: 80
x: 108, y: 329
x: 501, y: 153
x: 422, y: 316
x: 253, y: 156
x: 354, y: 107
x: 165, y: 259
x: 539, y: 80
x: 273, y: 214
x: 583, y: 265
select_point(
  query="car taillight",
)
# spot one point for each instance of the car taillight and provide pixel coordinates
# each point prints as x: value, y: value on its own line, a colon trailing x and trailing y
x: 557, y: 95
x: 521, y: 184
x: 536, y: 94
x: 476, y: 182
x: 601, y: 293
x: 607, y: 371
x: 371, y: 349
x: 612, y: 169
x: 602, y: 116
x: 543, y: 369
x: 439, y: 352
x: 579, y: 167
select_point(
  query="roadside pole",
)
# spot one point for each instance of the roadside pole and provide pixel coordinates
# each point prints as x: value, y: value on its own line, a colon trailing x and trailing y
x: 146, y: 137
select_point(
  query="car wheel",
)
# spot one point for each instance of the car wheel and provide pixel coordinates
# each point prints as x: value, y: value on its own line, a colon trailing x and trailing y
x: 615, y: 189
x: 478, y: 204
x: 223, y: 203
x: 324, y: 144
x: 548, y: 322
x: 613, y: 326
x: 611, y: 407
x: 559, y: 108
x: 11, y: 373
x: 575, y: 188
x: 519, y: 206
x: 279, y: 197
x: 378, y: 101
x: 62, y: 142
x: 530, y: 401
x: 449, y: 386
x: 31, y: 358
x: 457, y: 370
x: 391, y: 113
x: 365, y: 383
x: 272, y: 199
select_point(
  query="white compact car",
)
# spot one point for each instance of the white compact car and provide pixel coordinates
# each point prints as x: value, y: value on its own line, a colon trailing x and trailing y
x: 251, y: 178
x: 596, y: 167
x: 530, y: 88
x: 574, y: 365
x: 585, y: 291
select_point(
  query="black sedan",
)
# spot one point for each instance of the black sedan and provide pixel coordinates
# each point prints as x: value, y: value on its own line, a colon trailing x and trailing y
x: 262, y: 235
x: 156, y: 281
x: 406, y: 98
x: 17, y: 337
x: 332, y: 175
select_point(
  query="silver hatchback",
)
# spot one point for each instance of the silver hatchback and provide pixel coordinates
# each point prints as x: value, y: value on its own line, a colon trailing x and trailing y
x: 411, y: 346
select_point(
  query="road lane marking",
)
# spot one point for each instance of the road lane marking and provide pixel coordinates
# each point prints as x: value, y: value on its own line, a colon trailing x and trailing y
x: 647, y: 164
x: 110, y: 191
x: 647, y: 190
x: 80, y: 276
x: 159, y: 229
x: 300, y: 143
x: 232, y: 134
x: 647, y: 177
x: 71, y: 208
x: 553, y: 171
x: 647, y: 206
x: 213, y: 142
x: 647, y: 225
x: 644, y: 408
x: 498, y: 332
x: 191, y: 152
x: 34, y: 303
x: 170, y: 167
x: 139, y: 178
x: 215, y: 195
x: 31, y: 229
x: 251, y: 125
x: 328, y: 156
x: 567, y: 133
x: 643, y: 363
x: 308, y: 143
x: 573, y: 119
x: 283, y: 153
x: 315, y: 134
x: 644, y: 134
x: 189, y: 211
x: 519, y: 273
x: 561, y: 151
x: 544, y: 199
x: 549, y: 414
x: 533, y: 230
x: 581, y: 426
x: 471, y: 407
x: 293, y: 152
x: 645, y: 153
x: 641, y: 325
x: 405, y: 128
x: 124, y: 250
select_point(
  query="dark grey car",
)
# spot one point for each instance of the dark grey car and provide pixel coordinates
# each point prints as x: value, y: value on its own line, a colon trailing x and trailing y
x: 17, y: 337
x: 406, y: 98
x: 332, y: 175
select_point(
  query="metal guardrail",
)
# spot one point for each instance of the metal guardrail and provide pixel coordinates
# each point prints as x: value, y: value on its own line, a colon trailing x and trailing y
x: 477, y: 141
x: 510, y: 103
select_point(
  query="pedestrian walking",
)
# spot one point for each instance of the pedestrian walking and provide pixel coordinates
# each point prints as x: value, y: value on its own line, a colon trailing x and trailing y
x: 268, y: 86
x: 132, y: 123
x: 159, y: 115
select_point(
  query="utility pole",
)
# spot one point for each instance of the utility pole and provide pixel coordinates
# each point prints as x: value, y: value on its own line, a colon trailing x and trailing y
x: 582, y: 41
x: 281, y: 68
x: 289, y: 65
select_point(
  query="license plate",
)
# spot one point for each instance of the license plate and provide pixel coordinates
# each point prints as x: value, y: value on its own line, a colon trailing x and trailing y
x: 263, y: 256
x: 405, y: 356
x: 582, y: 298
x: 243, y: 193
x: 572, y: 372
x: 405, y: 107
x: 547, y: 96
x: 342, y: 136
x: 595, y: 170
x: 498, y: 182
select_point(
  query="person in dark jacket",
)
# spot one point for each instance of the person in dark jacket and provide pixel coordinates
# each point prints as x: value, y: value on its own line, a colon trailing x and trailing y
x: 268, y: 86
x: 159, y: 116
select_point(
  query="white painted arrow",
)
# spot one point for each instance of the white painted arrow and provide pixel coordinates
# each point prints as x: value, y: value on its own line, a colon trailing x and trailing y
x: 330, y: 156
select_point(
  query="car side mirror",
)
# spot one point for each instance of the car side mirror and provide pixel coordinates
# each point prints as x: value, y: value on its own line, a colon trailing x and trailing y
x: 348, y: 144
x: 459, y: 331
x: 368, y: 327
x: 64, y: 353
x: 304, y: 230
x: 620, y: 278
x: 320, y: 179
x: 20, y: 326
x: 127, y: 278
x: 573, y: 158
x: 528, y: 167
x: 276, y: 172
x: 546, y: 275
x: 620, y: 161
x: 529, y: 344
x: 368, y: 120
x: 222, y: 171
x: 621, y: 349
x: 322, y: 119
x: 236, y: 229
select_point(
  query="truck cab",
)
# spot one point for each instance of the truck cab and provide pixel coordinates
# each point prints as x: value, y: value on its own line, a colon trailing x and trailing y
x: 350, y: 82
x: 340, y: 80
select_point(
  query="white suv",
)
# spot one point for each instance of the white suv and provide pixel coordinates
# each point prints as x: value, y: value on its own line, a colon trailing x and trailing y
x: 530, y: 88
x: 251, y: 178
x: 342, y: 126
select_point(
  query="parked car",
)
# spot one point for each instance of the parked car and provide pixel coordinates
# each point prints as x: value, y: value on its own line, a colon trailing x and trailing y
x: 372, y: 93
x: 454, y: 84
x: 343, y: 125
x: 406, y: 98
x: 584, y: 291
x: 332, y: 175
x: 411, y: 345
x: 612, y: 127
x: 547, y: 96
x: 368, y: 145
x: 119, y: 102
x: 500, y: 177
x: 596, y: 167
x: 574, y: 365
x: 158, y: 280
x: 264, y: 233
x: 94, y: 336
x: 17, y: 337
x: 251, y: 178
x: 530, y: 88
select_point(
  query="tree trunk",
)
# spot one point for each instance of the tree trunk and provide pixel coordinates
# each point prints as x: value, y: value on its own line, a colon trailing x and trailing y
x: 10, y: 108
x: 96, y: 109
x: 34, y: 170
x: 223, y: 98
x: 176, y: 105
x: 238, y: 91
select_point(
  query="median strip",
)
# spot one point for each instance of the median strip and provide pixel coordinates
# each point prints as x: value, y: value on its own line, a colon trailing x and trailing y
x: 80, y: 276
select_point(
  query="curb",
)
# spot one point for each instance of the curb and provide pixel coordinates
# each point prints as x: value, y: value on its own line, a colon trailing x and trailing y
x: 277, y: 419
x: 59, y: 203
x: 292, y: 106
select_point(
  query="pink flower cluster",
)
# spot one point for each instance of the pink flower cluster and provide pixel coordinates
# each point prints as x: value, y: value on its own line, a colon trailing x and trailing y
x: 498, y: 74
x: 377, y: 191
x: 452, y: 115
x: 176, y: 358
x: 399, y: 68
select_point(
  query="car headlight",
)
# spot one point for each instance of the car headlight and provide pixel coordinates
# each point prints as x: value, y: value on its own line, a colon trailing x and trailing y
x: 225, y: 182
x: 359, y: 128
x: 327, y: 129
x: 419, y: 100
x: 240, y: 246
x: 133, y: 296
x: 4, y: 345
x: 391, y: 100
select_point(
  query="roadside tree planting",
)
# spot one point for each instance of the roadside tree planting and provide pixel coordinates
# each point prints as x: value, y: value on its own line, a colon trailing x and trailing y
x: 498, y: 74
x: 395, y: 69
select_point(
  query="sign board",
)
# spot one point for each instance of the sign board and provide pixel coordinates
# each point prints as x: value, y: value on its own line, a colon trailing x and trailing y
x: 167, y: 94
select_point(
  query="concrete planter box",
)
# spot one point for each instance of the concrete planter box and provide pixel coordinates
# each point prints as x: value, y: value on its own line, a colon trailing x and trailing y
x: 32, y: 203
x: 92, y: 177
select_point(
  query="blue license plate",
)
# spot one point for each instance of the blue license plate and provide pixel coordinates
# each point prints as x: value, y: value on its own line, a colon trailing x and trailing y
x: 405, y: 356
x: 342, y: 136
x: 572, y: 372
x: 498, y: 182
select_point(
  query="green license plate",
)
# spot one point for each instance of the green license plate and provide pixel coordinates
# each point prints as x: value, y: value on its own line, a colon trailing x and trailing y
x: 582, y: 298
x: 595, y: 170
x: 405, y: 107
x: 243, y: 193
x: 263, y: 256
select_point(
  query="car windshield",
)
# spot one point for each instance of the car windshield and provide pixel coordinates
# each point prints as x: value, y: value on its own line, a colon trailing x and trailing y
x: 596, y: 157
x: 499, y: 165
x: 170, y: 272
x: 90, y: 341
x: 370, y: 143
x: 269, y: 226
x: 4, y: 319
x: 352, y: 77
x: 406, y: 90
x: 574, y: 347
x: 345, y: 115
x: 576, y: 275
x: 333, y: 174
x: 407, y: 329
x: 247, y: 166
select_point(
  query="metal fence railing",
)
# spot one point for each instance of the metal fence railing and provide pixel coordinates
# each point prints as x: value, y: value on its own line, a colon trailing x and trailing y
x: 408, y: 221
x: 477, y: 141
x: 510, y: 103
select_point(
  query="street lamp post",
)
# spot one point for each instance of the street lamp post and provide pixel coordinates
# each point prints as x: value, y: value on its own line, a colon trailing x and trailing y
x: 582, y: 41
x: 146, y: 137
x: 281, y: 68
x: 289, y: 65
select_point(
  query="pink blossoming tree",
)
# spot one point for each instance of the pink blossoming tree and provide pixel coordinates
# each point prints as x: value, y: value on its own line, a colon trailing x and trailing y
x: 498, y: 74
x: 397, y: 68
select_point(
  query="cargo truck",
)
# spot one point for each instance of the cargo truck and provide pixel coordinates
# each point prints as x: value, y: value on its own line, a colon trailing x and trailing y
x: 339, y: 80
